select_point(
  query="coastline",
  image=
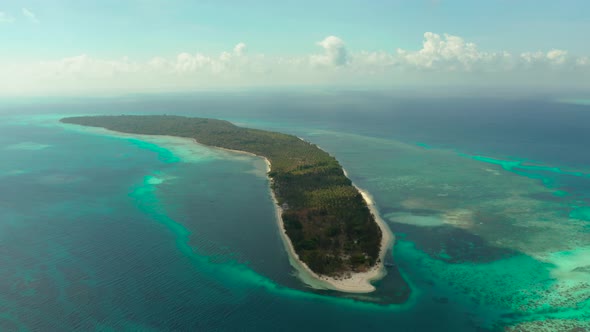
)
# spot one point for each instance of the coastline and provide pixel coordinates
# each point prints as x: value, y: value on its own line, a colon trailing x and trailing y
x: 359, y: 282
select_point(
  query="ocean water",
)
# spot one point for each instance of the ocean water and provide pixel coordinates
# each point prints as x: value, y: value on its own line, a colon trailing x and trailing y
x: 489, y: 201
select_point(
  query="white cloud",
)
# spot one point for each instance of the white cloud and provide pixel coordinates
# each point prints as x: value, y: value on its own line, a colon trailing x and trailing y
x: 5, y: 18
x: 240, y: 49
x: 442, y: 59
x: 335, y: 53
x: 449, y: 52
x: 452, y: 53
x: 30, y: 16
x: 557, y: 56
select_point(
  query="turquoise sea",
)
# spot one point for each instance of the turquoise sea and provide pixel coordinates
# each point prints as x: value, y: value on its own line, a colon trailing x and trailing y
x: 489, y: 201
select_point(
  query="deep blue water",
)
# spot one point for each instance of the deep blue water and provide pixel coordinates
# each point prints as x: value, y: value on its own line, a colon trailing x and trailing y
x: 489, y: 199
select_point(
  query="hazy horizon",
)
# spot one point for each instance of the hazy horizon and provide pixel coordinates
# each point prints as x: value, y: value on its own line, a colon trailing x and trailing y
x: 61, y: 48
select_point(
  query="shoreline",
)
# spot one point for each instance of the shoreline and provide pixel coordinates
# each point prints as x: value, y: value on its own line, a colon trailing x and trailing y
x: 356, y: 282
x: 359, y: 282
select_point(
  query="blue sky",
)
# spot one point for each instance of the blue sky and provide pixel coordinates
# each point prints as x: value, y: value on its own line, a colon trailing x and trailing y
x: 141, y: 30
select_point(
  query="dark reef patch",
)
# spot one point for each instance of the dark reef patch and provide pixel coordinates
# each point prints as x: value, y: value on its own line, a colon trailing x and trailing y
x: 451, y: 244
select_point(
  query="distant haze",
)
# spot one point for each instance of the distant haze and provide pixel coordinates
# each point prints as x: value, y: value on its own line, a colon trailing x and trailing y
x: 58, y: 48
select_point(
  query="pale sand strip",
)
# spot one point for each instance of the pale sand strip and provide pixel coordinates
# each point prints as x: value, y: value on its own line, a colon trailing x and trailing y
x: 352, y: 283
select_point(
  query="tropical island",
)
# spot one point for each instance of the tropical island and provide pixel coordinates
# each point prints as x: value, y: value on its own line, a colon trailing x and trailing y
x: 329, y: 226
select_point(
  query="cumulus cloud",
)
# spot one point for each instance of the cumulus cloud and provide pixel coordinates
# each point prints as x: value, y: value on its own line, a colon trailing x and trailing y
x: 30, y: 16
x: 335, y: 53
x: 86, y: 67
x: 188, y: 63
x: 227, y: 63
x: 441, y: 59
x: 5, y: 18
x: 557, y: 56
x: 450, y: 52
x: 240, y: 49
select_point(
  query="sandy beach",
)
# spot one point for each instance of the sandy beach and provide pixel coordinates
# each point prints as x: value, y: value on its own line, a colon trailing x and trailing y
x: 354, y: 282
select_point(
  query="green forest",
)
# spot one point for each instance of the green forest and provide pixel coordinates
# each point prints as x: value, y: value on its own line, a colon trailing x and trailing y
x: 325, y: 216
